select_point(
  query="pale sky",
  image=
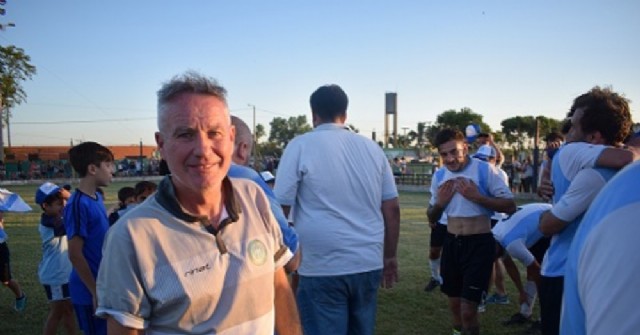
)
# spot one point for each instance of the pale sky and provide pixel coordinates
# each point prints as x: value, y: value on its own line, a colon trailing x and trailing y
x: 103, y: 61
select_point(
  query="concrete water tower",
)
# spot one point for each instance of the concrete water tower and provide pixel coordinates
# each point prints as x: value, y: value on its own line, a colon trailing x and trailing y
x: 390, y: 110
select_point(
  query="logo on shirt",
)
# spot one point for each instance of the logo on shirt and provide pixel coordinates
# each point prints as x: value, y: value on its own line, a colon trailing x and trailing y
x: 197, y: 270
x: 257, y: 252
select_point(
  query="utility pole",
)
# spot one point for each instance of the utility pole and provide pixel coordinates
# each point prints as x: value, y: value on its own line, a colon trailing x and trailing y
x: 255, y: 139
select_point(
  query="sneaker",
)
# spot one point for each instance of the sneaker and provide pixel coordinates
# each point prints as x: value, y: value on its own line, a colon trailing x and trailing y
x: 498, y: 299
x: 21, y: 303
x: 433, y: 283
x: 482, y: 306
x: 516, y: 319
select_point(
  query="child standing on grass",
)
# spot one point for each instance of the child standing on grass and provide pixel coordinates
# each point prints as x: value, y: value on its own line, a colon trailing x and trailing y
x: 126, y: 197
x: 5, y: 270
x: 55, y: 267
x: 86, y: 223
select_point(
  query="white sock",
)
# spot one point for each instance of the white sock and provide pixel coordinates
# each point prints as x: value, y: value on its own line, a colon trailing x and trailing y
x: 435, y: 269
x: 530, y: 288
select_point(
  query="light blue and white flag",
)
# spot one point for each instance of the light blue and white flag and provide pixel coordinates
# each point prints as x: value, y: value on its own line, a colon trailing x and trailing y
x: 11, y: 202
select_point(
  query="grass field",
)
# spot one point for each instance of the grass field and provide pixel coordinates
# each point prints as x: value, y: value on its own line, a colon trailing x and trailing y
x: 405, y: 309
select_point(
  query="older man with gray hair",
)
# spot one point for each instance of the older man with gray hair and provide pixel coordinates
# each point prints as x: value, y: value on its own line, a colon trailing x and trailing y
x: 204, y: 255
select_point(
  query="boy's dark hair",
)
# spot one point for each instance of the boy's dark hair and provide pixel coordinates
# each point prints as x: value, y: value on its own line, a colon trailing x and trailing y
x: 447, y: 134
x: 329, y: 102
x: 483, y: 135
x: 605, y: 111
x: 143, y: 186
x: 51, y: 198
x: 553, y: 137
x: 87, y: 153
x: 126, y: 192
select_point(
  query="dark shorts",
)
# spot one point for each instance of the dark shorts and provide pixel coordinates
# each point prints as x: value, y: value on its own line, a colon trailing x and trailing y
x: 467, y: 262
x: 5, y: 263
x: 438, y: 235
x: 550, y: 294
x: 540, y: 248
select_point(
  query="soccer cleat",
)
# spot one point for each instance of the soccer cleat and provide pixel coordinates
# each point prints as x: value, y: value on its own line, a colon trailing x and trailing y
x: 21, y: 303
x: 498, y: 299
x: 516, y: 319
x: 433, y: 283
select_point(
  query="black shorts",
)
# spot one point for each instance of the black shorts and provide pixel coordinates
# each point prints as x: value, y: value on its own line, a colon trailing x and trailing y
x: 540, y: 248
x: 5, y: 263
x: 467, y: 263
x: 550, y: 295
x: 438, y: 235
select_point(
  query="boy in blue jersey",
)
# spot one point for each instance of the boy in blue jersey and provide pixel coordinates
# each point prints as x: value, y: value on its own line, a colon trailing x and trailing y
x: 518, y: 235
x: 599, y: 118
x: 55, y: 267
x: 86, y: 223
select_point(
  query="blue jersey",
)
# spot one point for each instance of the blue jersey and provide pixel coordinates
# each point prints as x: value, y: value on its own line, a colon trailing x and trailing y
x: 289, y: 235
x: 601, y: 279
x: 86, y: 217
x: 566, y: 164
x: 521, y: 225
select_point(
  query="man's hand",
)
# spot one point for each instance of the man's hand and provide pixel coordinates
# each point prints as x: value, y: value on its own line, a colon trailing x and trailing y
x: 468, y: 189
x: 545, y: 189
x: 446, y: 192
x: 389, y: 272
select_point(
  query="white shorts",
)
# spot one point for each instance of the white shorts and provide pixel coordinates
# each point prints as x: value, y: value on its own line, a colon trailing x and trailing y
x: 57, y: 292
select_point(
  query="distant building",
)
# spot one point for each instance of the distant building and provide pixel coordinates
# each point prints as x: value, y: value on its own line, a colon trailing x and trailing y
x: 53, y: 153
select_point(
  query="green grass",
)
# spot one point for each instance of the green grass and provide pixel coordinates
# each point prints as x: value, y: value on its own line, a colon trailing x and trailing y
x: 405, y: 309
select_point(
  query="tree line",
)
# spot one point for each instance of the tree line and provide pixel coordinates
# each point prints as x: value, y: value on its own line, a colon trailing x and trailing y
x: 517, y: 133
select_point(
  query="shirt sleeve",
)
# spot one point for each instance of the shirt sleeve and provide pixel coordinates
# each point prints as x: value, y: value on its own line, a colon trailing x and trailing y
x: 76, y: 219
x: 497, y: 185
x: 583, y: 189
x: 433, y: 188
x: 288, y: 175
x: 119, y: 285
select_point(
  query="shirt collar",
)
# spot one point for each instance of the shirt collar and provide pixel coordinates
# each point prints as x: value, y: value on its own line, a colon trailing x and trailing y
x: 330, y: 126
x: 166, y: 197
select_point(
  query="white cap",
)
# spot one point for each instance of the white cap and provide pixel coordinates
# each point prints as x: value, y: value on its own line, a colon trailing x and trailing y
x: 485, y: 151
x: 267, y: 176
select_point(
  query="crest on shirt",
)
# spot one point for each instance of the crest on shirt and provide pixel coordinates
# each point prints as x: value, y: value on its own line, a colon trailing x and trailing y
x: 257, y: 252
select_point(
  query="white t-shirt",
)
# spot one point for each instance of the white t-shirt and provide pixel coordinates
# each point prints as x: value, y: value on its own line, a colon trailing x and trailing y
x: 337, y: 181
x: 486, y: 176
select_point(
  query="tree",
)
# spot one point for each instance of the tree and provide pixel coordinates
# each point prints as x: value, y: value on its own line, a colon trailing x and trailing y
x: 519, y: 129
x: 283, y: 131
x: 15, y: 67
x: 456, y: 119
x: 260, y: 132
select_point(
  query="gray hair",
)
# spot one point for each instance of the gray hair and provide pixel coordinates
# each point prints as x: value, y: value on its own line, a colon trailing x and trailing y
x: 188, y: 82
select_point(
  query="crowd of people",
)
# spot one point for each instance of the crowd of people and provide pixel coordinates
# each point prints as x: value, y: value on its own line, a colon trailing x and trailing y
x: 218, y: 248
x: 567, y: 265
